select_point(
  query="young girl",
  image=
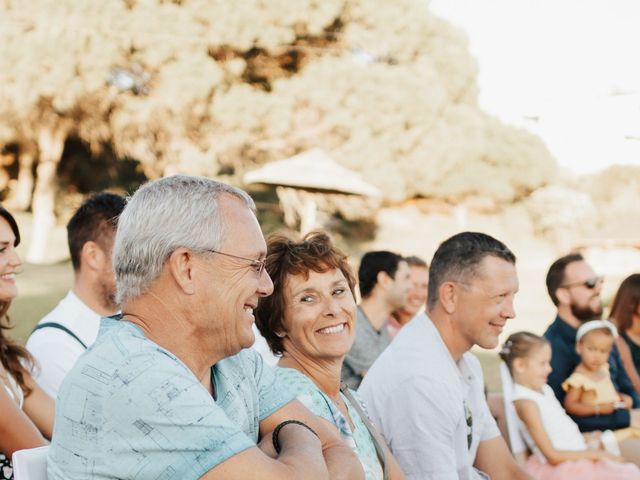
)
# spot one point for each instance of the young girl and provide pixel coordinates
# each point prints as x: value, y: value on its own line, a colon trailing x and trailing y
x: 590, y: 390
x: 560, y: 452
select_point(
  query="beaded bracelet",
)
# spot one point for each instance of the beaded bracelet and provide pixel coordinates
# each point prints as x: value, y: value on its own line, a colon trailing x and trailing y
x: 276, y: 432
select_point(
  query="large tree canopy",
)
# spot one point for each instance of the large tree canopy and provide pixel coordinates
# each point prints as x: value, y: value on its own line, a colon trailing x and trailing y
x: 203, y: 86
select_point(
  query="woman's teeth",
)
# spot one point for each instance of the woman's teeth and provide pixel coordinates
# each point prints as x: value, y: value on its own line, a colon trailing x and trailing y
x: 335, y: 329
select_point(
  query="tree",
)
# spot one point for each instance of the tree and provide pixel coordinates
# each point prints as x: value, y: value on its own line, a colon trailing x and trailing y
x: 52, y: 66
x: 206, y: 87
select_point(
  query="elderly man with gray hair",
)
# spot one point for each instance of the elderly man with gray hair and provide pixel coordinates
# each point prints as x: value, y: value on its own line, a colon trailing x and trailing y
x: 170, y: 390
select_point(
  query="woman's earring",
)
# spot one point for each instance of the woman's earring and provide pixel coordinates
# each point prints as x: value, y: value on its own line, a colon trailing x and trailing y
x: 280, y: 334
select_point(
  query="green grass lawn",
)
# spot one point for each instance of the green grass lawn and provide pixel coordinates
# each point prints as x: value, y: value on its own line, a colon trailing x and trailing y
x: 40, y: 288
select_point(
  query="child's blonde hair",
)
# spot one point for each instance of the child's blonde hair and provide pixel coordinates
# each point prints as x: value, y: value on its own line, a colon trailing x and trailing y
x: 520, y: 345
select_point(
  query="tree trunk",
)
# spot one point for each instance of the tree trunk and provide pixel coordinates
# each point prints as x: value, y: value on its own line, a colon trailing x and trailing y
x: 19, y: 198
x: 50, y: 146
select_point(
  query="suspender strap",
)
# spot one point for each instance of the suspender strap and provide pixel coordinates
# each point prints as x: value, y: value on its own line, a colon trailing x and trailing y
x: 377, y: 438
x: 60, y: 327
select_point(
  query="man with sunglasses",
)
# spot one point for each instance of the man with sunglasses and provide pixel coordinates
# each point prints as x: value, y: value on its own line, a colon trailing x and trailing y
x: 575, y: 289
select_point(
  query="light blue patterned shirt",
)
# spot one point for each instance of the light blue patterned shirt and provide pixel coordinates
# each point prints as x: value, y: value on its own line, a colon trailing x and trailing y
x: 130, y: 409
x: 320, y: 404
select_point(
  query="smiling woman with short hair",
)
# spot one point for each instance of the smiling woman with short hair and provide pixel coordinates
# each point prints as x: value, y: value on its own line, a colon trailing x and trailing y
x: 310, y: 320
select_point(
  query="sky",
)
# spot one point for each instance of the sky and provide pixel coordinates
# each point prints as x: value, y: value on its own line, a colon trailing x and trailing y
x: 567, y: 70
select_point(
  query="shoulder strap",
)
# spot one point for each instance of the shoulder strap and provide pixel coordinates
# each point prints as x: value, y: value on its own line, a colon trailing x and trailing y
x: 377, y: 439
x: 60, y: 327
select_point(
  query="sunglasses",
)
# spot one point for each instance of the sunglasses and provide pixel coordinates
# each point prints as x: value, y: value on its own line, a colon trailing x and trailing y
x: 589, y: 283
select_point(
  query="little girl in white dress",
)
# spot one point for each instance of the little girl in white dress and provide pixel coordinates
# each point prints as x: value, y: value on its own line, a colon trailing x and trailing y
x: 560, y: 451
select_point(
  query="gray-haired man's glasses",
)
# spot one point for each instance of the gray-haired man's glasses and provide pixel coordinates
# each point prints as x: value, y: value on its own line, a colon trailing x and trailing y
x: 256, y: 265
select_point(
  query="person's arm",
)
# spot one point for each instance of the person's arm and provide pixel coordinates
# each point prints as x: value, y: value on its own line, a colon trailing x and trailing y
x: 574, y: 406
x: 16, y: 430
x: 620, y: 378
x: 530, y: 415
x: 300, y: 457
x: 494, y: 458
x: 627, y: 363
x: 40, y: 407
x: 341, y: 462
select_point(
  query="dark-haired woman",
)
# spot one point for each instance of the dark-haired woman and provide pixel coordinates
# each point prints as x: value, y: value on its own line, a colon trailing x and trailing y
x: 625, y: 313
x: 26, y: 412
x: 310, y: 320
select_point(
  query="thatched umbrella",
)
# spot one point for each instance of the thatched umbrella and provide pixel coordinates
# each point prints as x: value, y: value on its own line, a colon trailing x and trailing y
x: 303, y: 180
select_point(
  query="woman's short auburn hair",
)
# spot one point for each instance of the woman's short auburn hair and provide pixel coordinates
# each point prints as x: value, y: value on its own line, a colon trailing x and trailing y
x: 287, y: 257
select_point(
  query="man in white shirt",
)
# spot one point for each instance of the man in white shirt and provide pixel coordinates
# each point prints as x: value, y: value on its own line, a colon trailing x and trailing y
x: 426, y: 391
x: 72, y: 326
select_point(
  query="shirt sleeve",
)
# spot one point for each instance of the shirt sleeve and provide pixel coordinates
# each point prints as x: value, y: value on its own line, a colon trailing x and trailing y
x: 273, y: 394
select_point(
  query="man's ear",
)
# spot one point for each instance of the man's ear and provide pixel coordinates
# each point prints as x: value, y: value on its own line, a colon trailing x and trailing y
x: 91, y: 256
x: 448, y: 296
x: 383, y: 279
x: 563, y: 296
x: 182, y: 269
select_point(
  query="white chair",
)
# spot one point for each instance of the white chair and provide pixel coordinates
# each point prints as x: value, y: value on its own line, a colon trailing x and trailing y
x: 30, y: 464
x: 516, y: 442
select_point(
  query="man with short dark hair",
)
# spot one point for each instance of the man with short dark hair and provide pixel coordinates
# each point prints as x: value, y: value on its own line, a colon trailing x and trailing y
x: 72, y: 326
x: 426, y: 391
x: 575, y: 289
x: 384, y: 282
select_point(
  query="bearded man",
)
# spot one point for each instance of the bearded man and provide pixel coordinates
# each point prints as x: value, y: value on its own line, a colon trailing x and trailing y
x: 575, y: 289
